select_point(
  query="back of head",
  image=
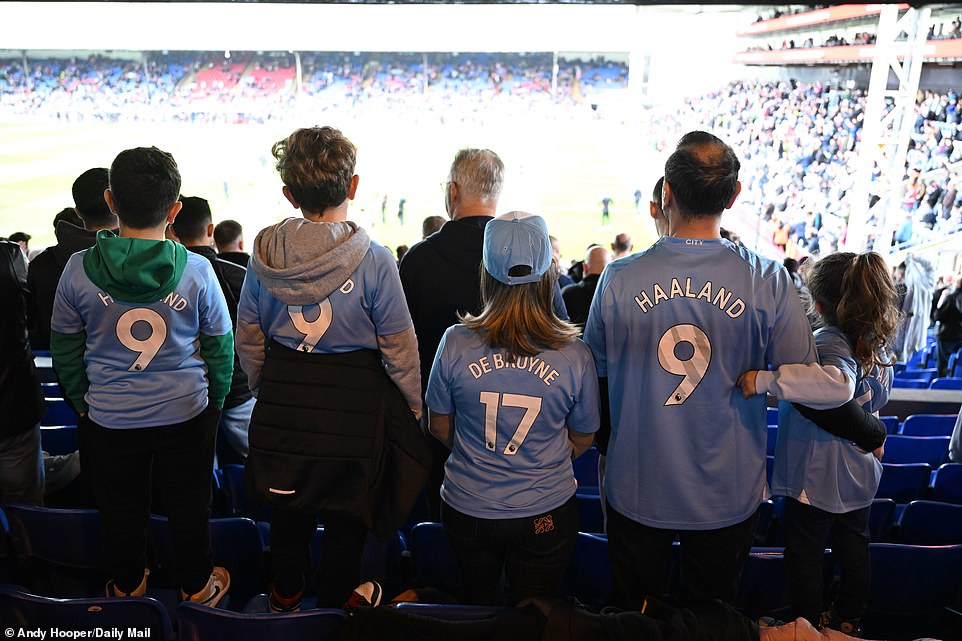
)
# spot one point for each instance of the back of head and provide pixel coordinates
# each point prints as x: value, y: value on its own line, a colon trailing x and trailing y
x: 430, y: 225
x: 227, y: 233
x: 517, y: 288
x: 67, y: 215
x: 791, y: 265
x: 702, y: 174
x: 479, y: 174
x: 316, y: 165
x: 856, y: 294
x: 656, y: 192
x: 88, y: 197
x: 193, y: 221
x: 622, y: 243
x: 596, y: 260
x: 144, y: 185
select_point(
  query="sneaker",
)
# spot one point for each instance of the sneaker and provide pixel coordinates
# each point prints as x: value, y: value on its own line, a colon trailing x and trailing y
x: 140, y: 590
x: 280, y: 604
x: 366, y: 595
x: 215, y: 590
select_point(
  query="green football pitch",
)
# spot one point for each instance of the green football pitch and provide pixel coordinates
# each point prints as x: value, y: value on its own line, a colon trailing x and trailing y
x: 559, y: 169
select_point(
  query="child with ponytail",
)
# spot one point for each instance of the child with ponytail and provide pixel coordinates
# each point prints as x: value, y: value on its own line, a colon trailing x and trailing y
x: 829, y: 482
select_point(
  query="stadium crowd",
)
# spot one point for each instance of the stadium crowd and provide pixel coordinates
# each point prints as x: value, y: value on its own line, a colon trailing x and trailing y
x: 320, y: 361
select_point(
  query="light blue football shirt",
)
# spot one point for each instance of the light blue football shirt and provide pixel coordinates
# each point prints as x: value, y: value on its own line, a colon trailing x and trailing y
x: 511, y: 457
x: 143, y: 359
x: 672, y: 328
x: 816, y: 467
x: 369, y: 304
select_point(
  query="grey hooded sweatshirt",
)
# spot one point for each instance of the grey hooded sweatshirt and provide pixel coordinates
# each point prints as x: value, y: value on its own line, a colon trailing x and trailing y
x: 301, y: 262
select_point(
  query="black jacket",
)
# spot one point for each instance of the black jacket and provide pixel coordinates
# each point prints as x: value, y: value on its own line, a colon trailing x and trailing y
x: 949, y: 316
x: 21, y: 402
x: 441, y: 276
x: 44, y: 275
x: 238, y: 258
x: 231, y: 278
x: 578, y: 298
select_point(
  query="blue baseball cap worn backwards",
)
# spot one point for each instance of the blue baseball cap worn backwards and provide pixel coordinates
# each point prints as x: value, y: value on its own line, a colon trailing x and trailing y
x: 513, y: 240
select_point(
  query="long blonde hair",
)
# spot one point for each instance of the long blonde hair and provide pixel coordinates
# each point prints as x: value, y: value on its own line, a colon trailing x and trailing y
x: 520, y: 319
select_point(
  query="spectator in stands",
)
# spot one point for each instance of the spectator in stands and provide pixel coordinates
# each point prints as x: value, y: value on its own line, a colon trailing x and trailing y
x: 621, y: 247
x: 148, y: 402
x: 23, y: 240
x: 400, y: 251
x: 21, y: 402
x: 563, y: 278
x: 229, y: 240
x: 68, y: 214
x: 46, y: 268
x: 578, y: 296
x: 828, y: 483
x: 509, y: 492
x: 195, y: 230
x: 644, y: 323
x: 321, y: 317
x: 948, y: 314
x: 440, y: 274
x: 430, y: 225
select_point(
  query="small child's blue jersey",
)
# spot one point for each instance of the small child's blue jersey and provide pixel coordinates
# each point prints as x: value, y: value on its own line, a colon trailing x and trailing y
x: 820, y: 469
x: 143, y: 359
x: 369, y: 304
x: 511, y: 457
x: 672, y: 328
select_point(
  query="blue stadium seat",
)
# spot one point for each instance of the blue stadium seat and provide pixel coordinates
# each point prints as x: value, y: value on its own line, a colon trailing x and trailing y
x: 773, y: 416
x: 898, y: 368
x: 916, y: 449
x: 60, y: 551
x: 200, y: 623
x: 447, y: 612
x: 891, y: 423
x: 590, y: 516
x: 586, y: 471
x: 237, y: 546
x: 59, y: 440
x: 51, y: 390
x: 910, y: 587
x: 772, y: 438
x: 927, y: 375
x: 928, y: 425
x: 931, y: 523
x: 21, y: 609
x: 434, y: 562
x: 764, y: 584
x: 58, y: 413
x: 589, y: 574
x: 904, y: 482
x: 903, y: 383
x: 947, y: 383
x: 947, y: 487
x: 880, y: 520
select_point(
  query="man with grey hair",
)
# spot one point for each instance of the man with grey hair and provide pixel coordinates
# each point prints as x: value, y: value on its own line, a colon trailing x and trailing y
x: 441, y: 274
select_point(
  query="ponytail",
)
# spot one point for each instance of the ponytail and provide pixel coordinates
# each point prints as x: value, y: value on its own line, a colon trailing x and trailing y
x: 857, y: 295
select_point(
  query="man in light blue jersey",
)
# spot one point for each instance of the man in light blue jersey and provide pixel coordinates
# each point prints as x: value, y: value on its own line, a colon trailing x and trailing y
x: 671, y: 329
x: 141, y: 340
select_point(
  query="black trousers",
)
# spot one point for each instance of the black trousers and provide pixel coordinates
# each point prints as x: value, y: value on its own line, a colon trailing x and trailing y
x: 120, y: 463
x: 711, y: 560
x: 532, y: 552
x: 342, y: 546
x: 945, y: 350
x: 807, y: 532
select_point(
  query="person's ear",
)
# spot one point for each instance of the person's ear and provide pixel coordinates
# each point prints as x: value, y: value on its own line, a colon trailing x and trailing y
x: 174, y: 210
x: 653, y: 209
x: 290, y: 197
x: 738, y: 190
x: 210, y: 230
x: 109, y: 198
x: 353, y: 188
x: 240, y: 244
x: 666, y: 196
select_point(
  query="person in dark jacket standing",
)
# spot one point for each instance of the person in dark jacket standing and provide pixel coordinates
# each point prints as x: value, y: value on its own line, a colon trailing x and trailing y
x: 229, y: 240
x: 45, y: 270
x: 578, y: 297
x: 324, y: 335
x: 21, y: 403
x: 194, y: 229
x: 949, y: 316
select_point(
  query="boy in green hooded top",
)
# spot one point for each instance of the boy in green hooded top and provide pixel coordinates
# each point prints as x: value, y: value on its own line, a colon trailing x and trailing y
x: 141, y: 339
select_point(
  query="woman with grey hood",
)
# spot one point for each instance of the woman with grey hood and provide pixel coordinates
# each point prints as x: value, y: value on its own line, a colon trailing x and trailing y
x: 326, y: 339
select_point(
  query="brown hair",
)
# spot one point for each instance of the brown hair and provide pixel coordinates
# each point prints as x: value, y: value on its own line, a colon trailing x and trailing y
x: 857, y: 295
x: 520, y: 318
x: 317, y: 166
